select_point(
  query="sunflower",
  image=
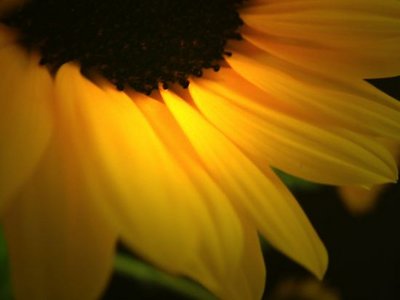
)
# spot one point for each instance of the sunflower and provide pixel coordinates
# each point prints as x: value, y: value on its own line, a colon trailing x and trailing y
x: 158, y: 123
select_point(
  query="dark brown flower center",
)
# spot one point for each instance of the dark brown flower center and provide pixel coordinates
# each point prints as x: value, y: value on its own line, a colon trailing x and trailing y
x: 135, y: 43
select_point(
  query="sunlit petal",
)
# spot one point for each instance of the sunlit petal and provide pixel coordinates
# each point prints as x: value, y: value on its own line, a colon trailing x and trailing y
x: 275, y: 214
x: 215, y: 200
x: 157, y: 207
x: 324, y: 103
x: 297, y: 147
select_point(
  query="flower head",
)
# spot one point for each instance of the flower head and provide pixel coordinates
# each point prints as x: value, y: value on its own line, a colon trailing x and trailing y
x: 166, y: 140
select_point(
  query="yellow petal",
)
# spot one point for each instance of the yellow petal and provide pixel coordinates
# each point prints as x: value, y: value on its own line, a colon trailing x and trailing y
x: 324, y: 103
x: 321, y: 100
x: 327, y: 35
x: 26, y: 96
x: 59, y: 246
x: 251, y: 275
x: 179, y: 221
x: 381, y: 59
x: 360, y: 200
x: 318, y: 154
x: 225, y: 285
x: 339, y: 23
x: 258, y: 195
x: 274, y: 76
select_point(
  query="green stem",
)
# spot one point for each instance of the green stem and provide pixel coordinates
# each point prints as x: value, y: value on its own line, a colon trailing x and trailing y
x: 144, y: 272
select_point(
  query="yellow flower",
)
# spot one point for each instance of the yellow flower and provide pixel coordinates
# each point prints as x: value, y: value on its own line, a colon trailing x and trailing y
x: 183, y: 177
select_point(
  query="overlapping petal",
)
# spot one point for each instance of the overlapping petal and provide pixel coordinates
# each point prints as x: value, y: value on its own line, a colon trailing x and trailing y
x: 257, y: 194
x: 346, y: 38
x: 210, y: 258
x: 25, y: 117
x: 295, y: 146
x: 360, y: 200
x: 316, y: 100
x: 160, y: 211
x: 60, y: 246
x: 346, y: 23
x: 251, y: 275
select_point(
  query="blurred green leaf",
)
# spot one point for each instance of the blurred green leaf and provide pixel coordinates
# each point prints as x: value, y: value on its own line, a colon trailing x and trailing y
x: 139, y: 270
x: 5, y: 284
x: 295, y: 183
